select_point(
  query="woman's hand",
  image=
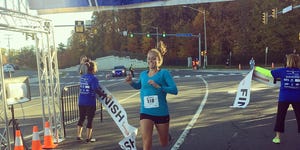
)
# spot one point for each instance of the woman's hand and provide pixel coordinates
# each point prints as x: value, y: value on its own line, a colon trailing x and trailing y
x: 83, y: 60
x: 109, y: 97
x: 128, y: 78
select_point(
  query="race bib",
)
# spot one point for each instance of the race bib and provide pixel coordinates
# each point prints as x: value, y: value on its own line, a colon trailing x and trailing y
x: 151, y: 101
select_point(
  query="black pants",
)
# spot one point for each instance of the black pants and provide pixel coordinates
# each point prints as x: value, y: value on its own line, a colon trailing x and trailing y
x: 281, y: 113
x: 88, y: 111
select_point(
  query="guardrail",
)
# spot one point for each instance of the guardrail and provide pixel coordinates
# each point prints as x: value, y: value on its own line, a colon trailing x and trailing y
x: 70, y: 110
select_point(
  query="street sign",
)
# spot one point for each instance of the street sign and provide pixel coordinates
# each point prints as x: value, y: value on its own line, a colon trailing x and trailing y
x: 184, y: 34
x: 287, y: 9
x: 125, y: 33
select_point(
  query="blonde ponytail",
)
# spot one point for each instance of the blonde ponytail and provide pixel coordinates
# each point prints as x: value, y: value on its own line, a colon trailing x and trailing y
x: 162, y: 48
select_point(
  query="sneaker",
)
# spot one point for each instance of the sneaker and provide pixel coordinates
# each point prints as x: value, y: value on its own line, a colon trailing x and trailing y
x: 276, y: 140
x: 79, y: 138
x: 90, y: 140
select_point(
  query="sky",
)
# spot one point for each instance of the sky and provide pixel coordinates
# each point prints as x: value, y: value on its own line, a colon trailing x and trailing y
x: 61, y: 34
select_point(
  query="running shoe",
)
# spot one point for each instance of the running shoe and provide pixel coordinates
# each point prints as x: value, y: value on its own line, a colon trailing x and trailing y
x: 79, y: 138
x: 90, y: 140
x: 276, y: 140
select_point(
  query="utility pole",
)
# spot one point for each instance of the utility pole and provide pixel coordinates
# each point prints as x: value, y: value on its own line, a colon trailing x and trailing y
x: 199, y: 49
x: 204, y: 27
x: 8, y: 46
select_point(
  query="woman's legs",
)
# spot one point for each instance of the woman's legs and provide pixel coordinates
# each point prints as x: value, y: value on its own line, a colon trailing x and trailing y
x: 296, y: 108
x: 82, y: 112
x: 89, y: 133
x: 89, y: 126
x: 79, y: 131
x: 163, y: 132
x: 146, y: 131
x: 280, y: 118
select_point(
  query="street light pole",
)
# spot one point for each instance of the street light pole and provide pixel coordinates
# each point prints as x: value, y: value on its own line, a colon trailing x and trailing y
x: 199, y: 49
x: 204, y: 27
x: 8, y: 45
x: 156, y: 37
x: 205, y: 42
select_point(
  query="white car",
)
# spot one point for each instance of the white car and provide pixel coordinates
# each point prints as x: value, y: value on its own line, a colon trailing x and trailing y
x: 8, y: 68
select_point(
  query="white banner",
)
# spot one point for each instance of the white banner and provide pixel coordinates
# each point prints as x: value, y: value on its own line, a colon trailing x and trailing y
x: 119, y: 115
x: 128, y: 143
x: 242, y: 98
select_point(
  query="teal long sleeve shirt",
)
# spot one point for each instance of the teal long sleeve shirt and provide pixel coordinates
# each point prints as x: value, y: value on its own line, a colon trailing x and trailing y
x: 153, y: 100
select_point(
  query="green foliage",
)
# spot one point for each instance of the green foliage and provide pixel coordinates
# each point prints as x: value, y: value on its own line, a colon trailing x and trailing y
x: 61, y: 47
x: 232, y: 27
x: 26, y: 58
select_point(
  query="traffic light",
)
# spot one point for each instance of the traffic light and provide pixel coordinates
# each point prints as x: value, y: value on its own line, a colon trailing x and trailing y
x: 131, y: 35
x: 265, y: 17
x: 274, y: 13
x: 205, y: 52
x: 164, y: 34
x: 148, y: 35
x: 79, y: 26
x: 202, y: 53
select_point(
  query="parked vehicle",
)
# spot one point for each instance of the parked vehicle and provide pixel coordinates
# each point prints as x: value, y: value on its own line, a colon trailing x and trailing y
x: 119, y: 71
x: 15, y: 66
x: 8, y: 68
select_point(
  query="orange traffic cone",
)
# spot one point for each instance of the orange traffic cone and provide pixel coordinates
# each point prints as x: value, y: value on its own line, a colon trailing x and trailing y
x: 36, y: 143
x: 48, y: 139
x: 18, y: 141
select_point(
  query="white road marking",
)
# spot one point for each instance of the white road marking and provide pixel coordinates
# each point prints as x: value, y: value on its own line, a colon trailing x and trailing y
x: 187, y: 129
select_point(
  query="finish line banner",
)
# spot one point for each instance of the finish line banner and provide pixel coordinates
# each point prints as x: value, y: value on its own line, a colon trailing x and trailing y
x: 259, y: 74
x: 119, y: 115
x: 264, y: 76
x: 242, y: 98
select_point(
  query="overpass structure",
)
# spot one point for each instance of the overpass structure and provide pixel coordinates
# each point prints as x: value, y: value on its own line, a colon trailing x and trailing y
x: 22, y: 16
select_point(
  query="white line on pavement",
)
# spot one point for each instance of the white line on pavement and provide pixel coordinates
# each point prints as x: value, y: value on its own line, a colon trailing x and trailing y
x: 187, y: 129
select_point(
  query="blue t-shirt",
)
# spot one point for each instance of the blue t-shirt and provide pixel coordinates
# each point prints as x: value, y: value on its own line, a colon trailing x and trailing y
x: 87, y: 94
x: 153, y: 100
x: 290, y: 84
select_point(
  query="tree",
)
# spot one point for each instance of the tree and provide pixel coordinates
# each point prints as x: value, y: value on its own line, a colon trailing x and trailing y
x: 233, y: 27
x: 61, y: 47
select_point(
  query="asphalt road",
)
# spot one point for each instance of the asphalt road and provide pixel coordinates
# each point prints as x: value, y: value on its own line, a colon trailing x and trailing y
x: 201, y: 116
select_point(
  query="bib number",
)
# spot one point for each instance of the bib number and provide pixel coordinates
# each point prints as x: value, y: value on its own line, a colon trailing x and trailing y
x: 151, y: 101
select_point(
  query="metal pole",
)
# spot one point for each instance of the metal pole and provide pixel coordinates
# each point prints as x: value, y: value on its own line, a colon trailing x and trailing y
x: 205, y: 41
x: 230, y: 58
x: 8, y: 46
x: 266, y: 56
x: 205, y: 46
x: 156, y: 37
x: 199, y: 48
